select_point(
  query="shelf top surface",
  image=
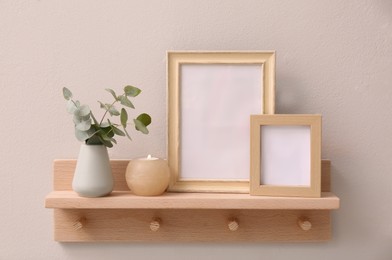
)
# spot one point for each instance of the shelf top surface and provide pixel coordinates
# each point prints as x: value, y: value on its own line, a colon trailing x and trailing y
x: 126, y: 200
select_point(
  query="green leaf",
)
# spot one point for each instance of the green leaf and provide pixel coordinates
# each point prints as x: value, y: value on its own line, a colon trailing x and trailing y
x: 117, y: 131
x: 107, y: 131
x: 105, y: 124
x: 144, y: 118
x: 83, y: 110
x: 140, y: 126
x: 110, y: 108
x: 81, y: 135
x: 104, y: 142
x: 112, y: 92
x: 77, y: 119
x: 102, y: 104
x: 71, y: 107
x: 67, y: 93
x: 92, y: 132
x: 105, y: 137
x: 113, y: 111
x: 132, y: 91
x: 126, y: 102
x: 108, y: 138
x: 94, y: 119
x: 124, y: 118
x: 85, y: 118
x: 93, y: 140
x: 84, y: 125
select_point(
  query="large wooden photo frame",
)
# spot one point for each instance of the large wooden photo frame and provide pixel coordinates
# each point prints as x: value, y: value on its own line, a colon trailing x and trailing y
x: 210, y: 98
x: 286, y: 155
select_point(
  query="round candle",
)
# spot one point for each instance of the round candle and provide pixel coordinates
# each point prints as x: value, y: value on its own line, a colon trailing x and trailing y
x: 148, y: 176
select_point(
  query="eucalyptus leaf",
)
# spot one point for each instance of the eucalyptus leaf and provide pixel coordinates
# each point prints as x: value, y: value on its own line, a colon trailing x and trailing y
x: 104, y: 142
x: 117, y: 131
x: 102, y: 105
x: 71, y: 107
x: 84, y: 125
x: 92, y: 132
x: 126, y: 102
x: 105, y: 124
x: 124, y: 118
x: 87, y: 117
x: 108, y: 131
x: 67, y: 93
x: 83, y: 110
x: 112, y: 92
x: 145, y: 119
x: 106, y: 138
x: 140, y: 126
x: 109, y: 139
x: 81, y: 135
x: 77, y: 119
x: 113, y: 111
x: 93, y: 140
x: 132, y: 91
x: 111, y: 124
x: 94, y: 119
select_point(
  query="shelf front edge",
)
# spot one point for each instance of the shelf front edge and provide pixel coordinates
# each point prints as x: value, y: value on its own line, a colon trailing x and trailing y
x: 125, y: 200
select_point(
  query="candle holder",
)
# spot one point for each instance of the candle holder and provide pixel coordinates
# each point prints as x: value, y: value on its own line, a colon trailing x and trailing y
x: 147, y: 176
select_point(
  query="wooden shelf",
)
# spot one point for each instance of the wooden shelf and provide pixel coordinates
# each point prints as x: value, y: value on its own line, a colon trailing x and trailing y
x: 126, y: 200
x: 185, y: 217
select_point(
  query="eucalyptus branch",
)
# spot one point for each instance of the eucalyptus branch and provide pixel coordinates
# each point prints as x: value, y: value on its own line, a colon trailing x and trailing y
x: 88, y: 129
x: 74, y: 103
x: 107, y: 110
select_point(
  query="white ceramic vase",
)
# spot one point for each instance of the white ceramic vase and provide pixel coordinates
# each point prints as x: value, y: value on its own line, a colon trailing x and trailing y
x: 93, y: 174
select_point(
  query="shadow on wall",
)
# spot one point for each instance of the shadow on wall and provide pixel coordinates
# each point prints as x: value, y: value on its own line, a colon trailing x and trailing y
x: 345, y: 227
x: 289, y: 95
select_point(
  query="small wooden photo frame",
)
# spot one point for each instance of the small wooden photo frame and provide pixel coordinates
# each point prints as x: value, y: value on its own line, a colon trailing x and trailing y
x: 285, y: 155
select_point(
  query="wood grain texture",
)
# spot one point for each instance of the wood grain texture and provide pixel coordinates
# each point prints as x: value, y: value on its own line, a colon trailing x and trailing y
x: 184, y: 217
x: 126, y: 200
x: 190, y: 225
x: 63, y: 171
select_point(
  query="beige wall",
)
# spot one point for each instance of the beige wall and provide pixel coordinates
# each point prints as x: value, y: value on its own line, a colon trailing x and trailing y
x: 333, y: 57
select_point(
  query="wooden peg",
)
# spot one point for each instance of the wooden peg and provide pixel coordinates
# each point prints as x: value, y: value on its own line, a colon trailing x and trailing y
x: 233, y: 224
x: 304, y: 224
x: 79, y: 223
x: 155, y: 224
